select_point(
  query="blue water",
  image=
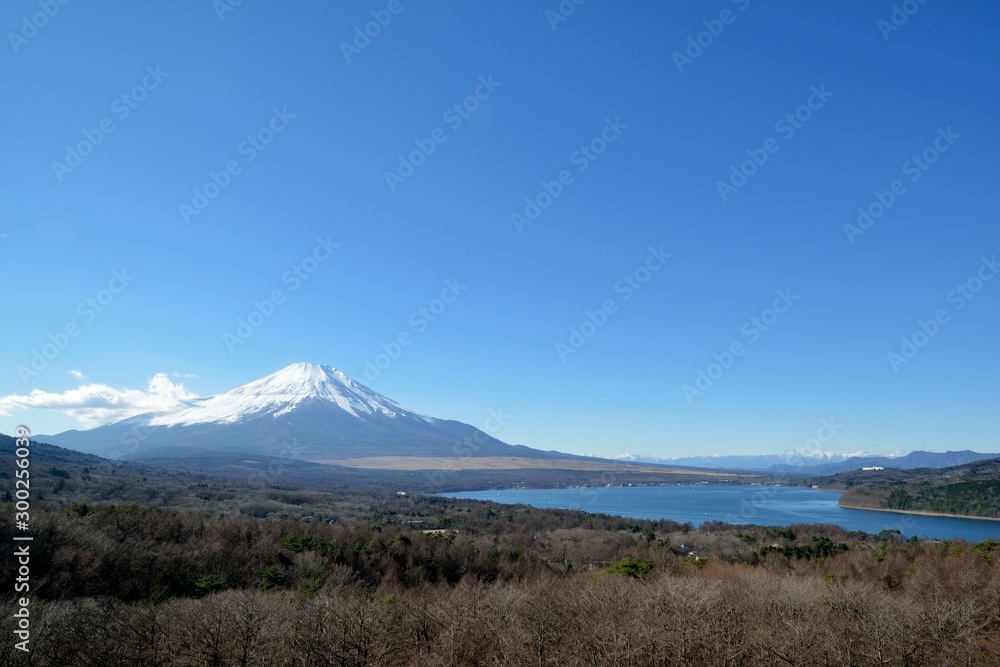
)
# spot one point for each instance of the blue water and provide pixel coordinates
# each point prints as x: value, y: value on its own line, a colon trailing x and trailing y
x: 761, y: 505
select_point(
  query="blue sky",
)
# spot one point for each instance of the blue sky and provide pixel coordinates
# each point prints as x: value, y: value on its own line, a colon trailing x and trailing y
x: 621, y: 102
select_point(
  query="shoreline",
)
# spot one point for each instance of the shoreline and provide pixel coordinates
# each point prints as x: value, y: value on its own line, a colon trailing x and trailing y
x: 922, y: 513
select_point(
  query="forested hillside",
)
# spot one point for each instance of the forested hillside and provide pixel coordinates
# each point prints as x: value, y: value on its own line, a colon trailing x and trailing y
x: 972, y: 489
x: 430, y: 581
x: 974, y: 498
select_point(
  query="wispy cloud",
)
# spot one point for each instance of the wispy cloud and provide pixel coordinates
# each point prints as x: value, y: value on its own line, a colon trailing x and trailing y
x: 185, y: 375
x: 78, y: 375
x: 96, y: 404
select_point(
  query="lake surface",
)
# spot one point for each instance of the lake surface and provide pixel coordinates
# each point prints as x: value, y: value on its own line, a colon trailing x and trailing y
x: 761, y: 505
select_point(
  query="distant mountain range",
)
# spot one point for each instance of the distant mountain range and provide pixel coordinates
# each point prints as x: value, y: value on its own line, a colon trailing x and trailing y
x: 316, y: 413
x: 281, y: 426
x: 819, y: 463
x: 305, y: 411
x: 744, y: 462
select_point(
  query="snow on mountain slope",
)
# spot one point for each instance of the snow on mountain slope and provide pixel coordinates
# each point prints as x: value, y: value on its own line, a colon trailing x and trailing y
x: 280, y: 393
x: 800, y: 457
x: 307, y: 411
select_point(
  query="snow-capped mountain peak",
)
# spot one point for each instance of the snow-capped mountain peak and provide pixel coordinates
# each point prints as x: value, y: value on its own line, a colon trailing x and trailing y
x: 281, y: 392
x: 305, y: 411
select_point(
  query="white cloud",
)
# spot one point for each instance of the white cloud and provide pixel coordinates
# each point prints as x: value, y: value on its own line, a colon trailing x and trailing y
x: 185, y: 375
x: 78, y: 375
x: 96, y: 404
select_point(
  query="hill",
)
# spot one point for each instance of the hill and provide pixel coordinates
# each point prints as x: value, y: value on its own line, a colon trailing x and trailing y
x: 918, y: 459
x: 972, y: 489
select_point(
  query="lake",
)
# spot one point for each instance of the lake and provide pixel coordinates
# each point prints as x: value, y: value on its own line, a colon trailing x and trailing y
x: 761, y: 505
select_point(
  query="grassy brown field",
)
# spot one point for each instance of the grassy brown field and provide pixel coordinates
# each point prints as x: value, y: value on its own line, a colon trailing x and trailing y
x: 518, y: 463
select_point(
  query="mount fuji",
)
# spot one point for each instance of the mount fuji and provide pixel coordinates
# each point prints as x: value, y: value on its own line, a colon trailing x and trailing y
x: 308, y: 411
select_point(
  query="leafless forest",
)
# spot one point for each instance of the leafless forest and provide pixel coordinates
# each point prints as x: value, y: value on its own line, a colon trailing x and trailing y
x: 143, y: 566
x: 130, y: 585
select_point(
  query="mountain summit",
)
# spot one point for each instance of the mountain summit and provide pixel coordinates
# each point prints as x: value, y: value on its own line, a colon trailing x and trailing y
x: 279, y: 394
x: 308, y: 411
